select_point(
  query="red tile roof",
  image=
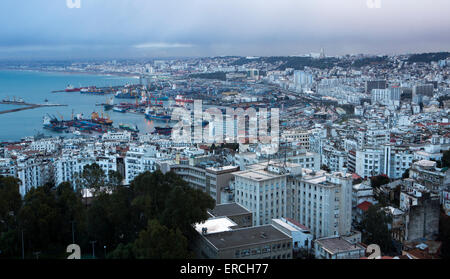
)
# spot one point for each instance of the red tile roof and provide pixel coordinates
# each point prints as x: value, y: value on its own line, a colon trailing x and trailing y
x: 364, y: 206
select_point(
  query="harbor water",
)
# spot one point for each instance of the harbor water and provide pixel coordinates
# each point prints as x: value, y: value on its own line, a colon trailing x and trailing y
x: 36, y: 87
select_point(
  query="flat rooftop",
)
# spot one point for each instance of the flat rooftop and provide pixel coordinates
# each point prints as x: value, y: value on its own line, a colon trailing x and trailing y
x: 258, y: 174
x: 247, y: 237
x: 336, y: 245
x: 229, y: 209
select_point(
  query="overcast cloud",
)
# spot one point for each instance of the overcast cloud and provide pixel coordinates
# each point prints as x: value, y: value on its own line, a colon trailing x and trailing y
x: 150, y: 28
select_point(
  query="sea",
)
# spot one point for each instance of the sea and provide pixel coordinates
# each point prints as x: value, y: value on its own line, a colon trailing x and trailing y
x: 36, y: 87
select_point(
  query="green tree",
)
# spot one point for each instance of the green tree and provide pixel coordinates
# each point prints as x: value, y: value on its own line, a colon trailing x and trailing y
x: 114, y: 179
x: 160, y: 242
x: 379, y: 180
x: 375, y: 228
x: 93, y: 177
x: 10, y: 202
x: 446, y: 159
x: 69, y: 204
x: 123, y: 251
x: 41, y: 220
x: 444, y: 235
x: 405, y: 174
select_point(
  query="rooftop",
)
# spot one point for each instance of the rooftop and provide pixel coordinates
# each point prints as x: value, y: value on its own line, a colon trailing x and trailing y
x: 229, y: 209
x: 337, y: 244
x: 247, y: 237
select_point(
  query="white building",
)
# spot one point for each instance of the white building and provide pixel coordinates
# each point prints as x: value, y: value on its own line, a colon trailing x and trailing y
x: 139, y: 159
x: 262, y: 190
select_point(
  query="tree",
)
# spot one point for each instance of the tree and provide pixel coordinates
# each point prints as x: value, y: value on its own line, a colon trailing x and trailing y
x: 70, y: 205
x: 123, y: 251
x: 41, y: 220
x: 10, y: 202
x: 405, y: 174
x: 379, y: 180
x: 444, y: 235
x: 325, y: 168
x: 114, y: 179
x: 160, y: 242
x: 446, y: 159
x: 375, y: 228
x: 93, y: 177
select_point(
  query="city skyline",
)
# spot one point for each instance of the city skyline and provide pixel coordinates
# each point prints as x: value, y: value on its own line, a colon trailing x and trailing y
x: 142, y: 29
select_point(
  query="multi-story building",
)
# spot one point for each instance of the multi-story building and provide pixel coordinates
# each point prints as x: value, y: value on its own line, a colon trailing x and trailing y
x: 322, y: 202
x: 369, y: 162
x: 33, y: 172
x: 397, y: 159
x: 262, y: 189
x: 139, y: 159
x: 217, y: 239
x: 213, y: 180
x: 422, y: 211
x: 333, y: 158
x: 375, y: 84
x: 427, y: 174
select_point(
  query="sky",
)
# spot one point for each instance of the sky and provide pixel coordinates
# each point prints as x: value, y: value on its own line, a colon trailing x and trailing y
x: 49, y: 29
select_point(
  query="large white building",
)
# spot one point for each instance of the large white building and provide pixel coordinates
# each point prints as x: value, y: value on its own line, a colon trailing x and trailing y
x: 139, y: 159
x: 389, y: 96
x: 262, y: 190
x: 322, y: 202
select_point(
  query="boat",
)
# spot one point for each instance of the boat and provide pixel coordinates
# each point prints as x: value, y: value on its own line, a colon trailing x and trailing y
x: 119, y: 109
x: 70, y: 88
x: 166, y: 131
x: 101, y: 120
x: 159, y: 116
x: 125, y: 95
x: 180, y: 99
x: 109, y: 104
x: 54, y: 124
x: 92, y: 91
x: 129, y: 127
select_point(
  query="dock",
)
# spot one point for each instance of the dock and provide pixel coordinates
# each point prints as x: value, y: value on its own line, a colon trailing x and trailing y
x: 27, y: 106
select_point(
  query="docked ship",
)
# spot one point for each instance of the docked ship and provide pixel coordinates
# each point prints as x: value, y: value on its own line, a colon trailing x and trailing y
x: 119, y: 109
x: 95, y: 118
x: 54, y: 124
x: 109, y: 104
x: 128, y: 127
x: 92, y: 91
x: 71, y: 88
x: 166, y: 131
x: 125, y: 95
x: 180, y: 99
x: 155, y: 115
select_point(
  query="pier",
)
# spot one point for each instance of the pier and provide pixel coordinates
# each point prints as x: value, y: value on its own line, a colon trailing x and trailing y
x: 27, y: 106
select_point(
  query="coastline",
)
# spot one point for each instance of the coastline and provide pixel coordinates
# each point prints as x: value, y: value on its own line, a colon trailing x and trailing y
x: 107, y: 74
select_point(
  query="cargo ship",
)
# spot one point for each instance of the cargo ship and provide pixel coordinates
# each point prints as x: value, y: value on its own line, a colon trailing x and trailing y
x: 54, y: 124
x: 180, y: 99
x: 109, y: 104
x: 70, y: 88
x: 92, y: 91
x: 129, y: 127
x: 166, y: 131
x: 158, y: 116
x: 125, y: 95
x: 119, y: 109
x: 101, y: 120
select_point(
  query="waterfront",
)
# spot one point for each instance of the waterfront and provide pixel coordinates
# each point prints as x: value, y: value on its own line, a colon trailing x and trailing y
x: 36, y: 87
